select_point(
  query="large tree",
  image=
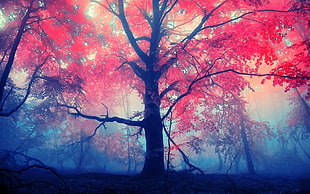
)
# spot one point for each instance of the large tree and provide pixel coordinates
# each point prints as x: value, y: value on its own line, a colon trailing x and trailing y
x: 178, y: 49
x: 177, y: 55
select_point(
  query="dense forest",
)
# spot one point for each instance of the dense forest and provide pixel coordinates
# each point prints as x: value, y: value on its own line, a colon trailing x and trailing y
x: 133, y: 96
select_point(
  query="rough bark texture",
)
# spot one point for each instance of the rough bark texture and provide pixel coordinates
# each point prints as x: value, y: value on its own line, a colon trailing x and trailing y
x: 154, y: 159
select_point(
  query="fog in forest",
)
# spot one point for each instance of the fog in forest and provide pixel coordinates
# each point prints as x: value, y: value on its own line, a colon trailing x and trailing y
x: 75, y: 145
x: 174, y: 96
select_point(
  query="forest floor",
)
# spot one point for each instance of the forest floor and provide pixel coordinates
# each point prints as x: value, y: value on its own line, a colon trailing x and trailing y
x: 177, y: 182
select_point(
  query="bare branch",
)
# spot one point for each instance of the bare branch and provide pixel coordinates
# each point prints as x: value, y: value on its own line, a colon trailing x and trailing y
x: 185, y: 158
x: 146, y: 16
x: 139, y: 132
x: 202, y: 22
x: 38, y: 164
x: 164, y: 6
x: 106, y: 108
x: 170, y: 88
x: 108, y: 119
x: 5, y: 98
x: 4, y: 54
x: 88, y: 137
x: 108, y: 8
x: 32, y: 80
x: 40, y: 167
x: 207, y: 75
x: 200, y: 27
x: 263, y: 75
x: 38, y: 19
x: 249, y: 13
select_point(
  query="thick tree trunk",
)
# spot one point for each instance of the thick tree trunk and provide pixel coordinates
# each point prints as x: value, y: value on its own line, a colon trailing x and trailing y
x: 154, y: 158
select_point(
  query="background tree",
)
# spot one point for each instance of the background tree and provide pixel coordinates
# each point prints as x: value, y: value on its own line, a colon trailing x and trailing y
x: 294, y: 132
x: 25, y: 21
x: 29, y: 41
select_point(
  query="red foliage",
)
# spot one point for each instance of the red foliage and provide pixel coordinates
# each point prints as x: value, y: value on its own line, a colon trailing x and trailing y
x: 92, y: 52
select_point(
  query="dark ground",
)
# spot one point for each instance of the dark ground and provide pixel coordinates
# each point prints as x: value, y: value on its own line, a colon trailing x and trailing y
x: 47, y: 182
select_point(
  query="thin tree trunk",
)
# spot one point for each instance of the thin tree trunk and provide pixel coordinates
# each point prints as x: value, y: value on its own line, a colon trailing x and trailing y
x: 306, y: 108
x: 303, y: 149
x: 128, y: 152
x: 221, y: 162
x: 169, y: 166
x: 16, y: 42
x: 81, y: 154
x: 236, y: 162
x: 246, y: 147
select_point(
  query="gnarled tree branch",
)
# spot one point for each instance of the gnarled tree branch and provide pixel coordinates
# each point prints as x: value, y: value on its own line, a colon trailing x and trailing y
x: 105, y: 119
x: 185, y: 158
x: 32, y: 80
x: 189, y: 88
